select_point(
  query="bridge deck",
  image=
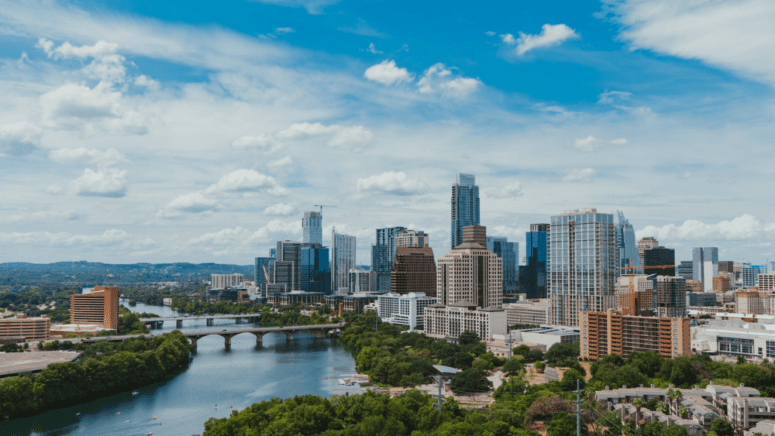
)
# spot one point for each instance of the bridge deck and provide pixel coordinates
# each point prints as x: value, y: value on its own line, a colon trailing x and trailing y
x: 293, y: 328
x: 196, y: 317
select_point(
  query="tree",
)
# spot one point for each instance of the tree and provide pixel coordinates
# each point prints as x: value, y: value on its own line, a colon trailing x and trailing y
x: 470, y: 380
x: 564, y: 424
x: 722, y: 427
x: 568, y: 382
x: 513, y: 366
x: 561, y: 351
x: 468, y: 338
x: 638, y: 403
x: 683, y: 411
x: 481, y: 365
x: 540, y: 366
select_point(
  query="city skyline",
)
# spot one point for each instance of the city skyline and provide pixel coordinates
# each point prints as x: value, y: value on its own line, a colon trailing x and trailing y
x: 137, y: 133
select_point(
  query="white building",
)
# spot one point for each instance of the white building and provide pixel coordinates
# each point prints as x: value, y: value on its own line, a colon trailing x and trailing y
x: 534, y: 312
x: 342, y: 261
x: 449, y: 322
x: 470, y: 275
x: 767, y: 282
x: 412, y: 238
x: 360, y: 281
x: 735, y: 337
x: 405, y: 309
x: 223, y: 281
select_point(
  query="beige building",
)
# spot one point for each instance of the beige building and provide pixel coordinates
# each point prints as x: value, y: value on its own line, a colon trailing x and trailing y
x: 766, y: 282
x: 534, y: 312
x: 751, y: 301
x: 449, y: 322
x: 472, y: 275
x: 721, y: 284
x: 412, y: 238
x: 644, y: 244
x: 223, y: 281
x: 99, y: 307
x: 604, y: 333
x: 36, y: 329
x: 475, y: 234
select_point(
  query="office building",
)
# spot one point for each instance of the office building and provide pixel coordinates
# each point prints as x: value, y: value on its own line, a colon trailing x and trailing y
x: 532, y: 276
x: 771, y: 267
x: 223, y: 281
x: 99, y: 307
x: 382, y: 255
x: 640, y: 301
x: 406, y: 310
x: 312, y: 224
x: 685, y: 269
x: 360, y: 281
x: 509, y: 253
x: 412, y: 238
x: 449, y: 322
x: 528, y: 312
x: 470, y: 275
x: 582, y: 265
x: 726, y: 266
x: 342, y: 261
x: 644, y: 244
x: 750, y: 274
x: 735, y: 337
x: 754, y: 302
x: 701, y: 299
x: 767, y: 282
x: 465, y: 207
x: 669, y: 293
x: 604, y: 333
x: 625, y: 243
x: 264, y: 273
x: 659, y: 256
x: 705, y: 266
x: 314, y: 269
x: 475, y: 234
x: 287, y: 265
x: 22, y: 329
x: 721, y: 284
x: 414, y: 270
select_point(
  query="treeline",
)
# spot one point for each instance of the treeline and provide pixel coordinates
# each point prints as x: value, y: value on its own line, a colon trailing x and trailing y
x: 202, y: 307
x: 129, y: 323
x: 103, y: 368
x: 293, y: 316
x: 27, y: 301
x: 155, y: 296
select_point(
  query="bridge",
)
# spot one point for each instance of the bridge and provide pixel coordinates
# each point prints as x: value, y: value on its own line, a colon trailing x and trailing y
x: 259, y: 332
x: 158, y: 322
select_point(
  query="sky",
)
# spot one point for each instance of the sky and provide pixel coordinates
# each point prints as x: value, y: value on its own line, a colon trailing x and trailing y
x: 147, y: 131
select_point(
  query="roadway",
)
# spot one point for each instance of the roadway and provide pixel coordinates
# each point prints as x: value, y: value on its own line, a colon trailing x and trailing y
x: 198, y: 317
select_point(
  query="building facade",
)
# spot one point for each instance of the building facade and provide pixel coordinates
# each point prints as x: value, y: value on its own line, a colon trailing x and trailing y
x: 312, y: 225
x: 406, y: 310
x: 604, y: 333
x: 685, y: 269
x: 31, y: 329
x: 412, y: 238
x: 99, y: 307
x: 382, y: 255
x: 669, y: 296
x: 465, y: 207
x: 767, y: 282
x: 414, y: 270
x: 223, y: 281
x: 448, y: 322
x: 659, y: 256
x: 342, y: 261
x: 360, y: 281
x: 705, y: 266
x: 470, y: 275
x: 314, y: 269
x: 582, y: 265
x: 528, y: 312
x: 264, y: 273
x: 625, y: 243
x: 509, y: 252
x: 750, y: 274
x: 476, y: 234
x: 644, y: 244
x: 287, y: 264
x: 533, y: 279
x: 721, y: 284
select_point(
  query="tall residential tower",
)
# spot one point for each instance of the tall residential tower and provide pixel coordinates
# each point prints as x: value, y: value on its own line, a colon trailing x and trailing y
x: 312, y: 223
x: 342, y: 261
x: 465, y: 206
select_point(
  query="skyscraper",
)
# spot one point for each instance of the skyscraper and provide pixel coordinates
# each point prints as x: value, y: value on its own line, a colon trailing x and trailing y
x: 312, y: 223
x: 625, y: 242
x: 470, y: 275
x: 643, y: 245
x: 342, y: 261
x: 314, y: 270
x: 382, y: 254
x: 509, y: 252
x: 412, y: 238
x: 659, y: 256
x: 582, y: 266
x: 414, y: 270
x: 287, y: 264
x: 685, y: 269
x: 533, y: 280
x: 465, y: 206
x: 705, y: 266
x: 264, y: 273
x: 750, y: 274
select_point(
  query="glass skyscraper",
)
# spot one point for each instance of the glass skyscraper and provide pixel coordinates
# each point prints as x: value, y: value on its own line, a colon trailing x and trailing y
x: 705, y: 266
x: 342, y: 261
x: 382, y: 254
x: 533, y: 280
x: 509, y: 252
x: 582, y: 266
x: 465, y: 207
x: 625, y: 242
x: 312, y: 223
x: 314, y: 270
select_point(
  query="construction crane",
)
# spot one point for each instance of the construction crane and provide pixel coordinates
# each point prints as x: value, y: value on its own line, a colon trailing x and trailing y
x: 321, y: 206
x: 632, y: 278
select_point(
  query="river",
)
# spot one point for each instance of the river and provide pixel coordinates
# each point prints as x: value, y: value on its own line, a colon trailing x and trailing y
x: 245, y: 374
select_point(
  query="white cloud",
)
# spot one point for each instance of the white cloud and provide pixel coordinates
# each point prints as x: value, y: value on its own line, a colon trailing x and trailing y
x: 54, y: 189
x: 280, y: 209
x: 66, y: 50
x: 306, y: 131
x: 107, y: 238
x: 551, y: 34
x: 340, y: 136
x: 387, y: 73
x: 260, y: 142
x: 313, y: 7
x: 280, y: 163
x: 19, y: 139
x: 147, y: 82
x: 734, y: 35
x: 586, y: 144
x: 437, y: 78
x: 241, y: 181
x: 395, y: 183
x: 509, y: 190
x: 284, y: 30
x: 193, y: 203
x: 103, y: 183
x: 580, y: 175
x: 373, y: 50
x: 87, y: 156
x: 351, y: 136
x: 223, y: 237
x: 489, y: 33
x: 47, y: 215
x: 742, y: 227
x: 513, y: 234
x: 277, y: 230
x: 610, y: 97
x: 618, y: 141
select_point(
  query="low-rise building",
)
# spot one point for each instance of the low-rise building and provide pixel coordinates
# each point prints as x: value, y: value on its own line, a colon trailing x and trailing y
x: 541, y: 338
x: 405, y: 310
x: 532, y: 312
x: 29, y: 329
x: 449, y: 322
x: 295, y: 297
x: 735, y: 337
x: 694, y: 299
x: 766, y: 282
x: 721, y: 284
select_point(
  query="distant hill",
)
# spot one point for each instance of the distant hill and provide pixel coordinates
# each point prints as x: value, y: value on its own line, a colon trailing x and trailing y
x: 96, y: 273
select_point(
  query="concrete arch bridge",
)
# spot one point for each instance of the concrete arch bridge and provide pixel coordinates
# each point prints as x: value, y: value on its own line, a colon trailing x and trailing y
x: 259, y: 332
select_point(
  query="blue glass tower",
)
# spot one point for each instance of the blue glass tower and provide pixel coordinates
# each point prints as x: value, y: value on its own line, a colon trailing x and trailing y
x: 465, y: 206
x: 625, y: 242
x: 314, y: 271
x: 533, y: 280
x: 509, y: 252
x: 382, y: 254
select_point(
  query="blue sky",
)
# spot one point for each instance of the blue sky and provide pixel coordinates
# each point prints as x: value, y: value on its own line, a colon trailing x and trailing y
x: 164, y: 131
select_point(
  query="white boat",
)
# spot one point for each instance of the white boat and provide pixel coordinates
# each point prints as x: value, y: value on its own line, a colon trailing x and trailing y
x: 135, y: 393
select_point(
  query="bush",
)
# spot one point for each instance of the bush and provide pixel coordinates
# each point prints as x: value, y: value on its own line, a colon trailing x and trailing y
x: 470, y: 380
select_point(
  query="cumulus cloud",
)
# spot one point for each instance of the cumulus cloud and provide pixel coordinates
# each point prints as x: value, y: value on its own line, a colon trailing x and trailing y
x: 87, y: 156
x: 610, y: 97
x: 394, y: 183
x: 742, y: 39
x: 742, y: 227
x: 222, y: 237
x: 193, y: 203
x: 103, y: 183
x: 509, y: 190
x: 591, y: 143
x: 277, y: 230
x: 107, y: 65
x: 46, y: 215
x: 243, y: 180
x: 339, y: 136
x: 280, y: 209
x: 438, y: 78
x: 551, y: 34
x: 373, y: 50
x: 580, y: 175
x: 280, y: 163
x: 147, y: 82
x: 19, y: 139
x: 259, y: 142
x: 387, y: 72
x: 107, y: 238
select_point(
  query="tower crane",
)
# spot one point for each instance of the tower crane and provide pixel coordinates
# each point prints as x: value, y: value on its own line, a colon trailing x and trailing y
x: 632, y: 280
x: 321, y: 206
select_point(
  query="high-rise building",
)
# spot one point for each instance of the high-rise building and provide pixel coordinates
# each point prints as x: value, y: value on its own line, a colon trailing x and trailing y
x: 412, y: 238
x: 533, y: 275
x: 414, y: 270
x: 470, y: 275
x: 582, y: 265
x: 767, y: 282
x: 669, y: 295
x: 645, y: 244
x: 659, y: 256
x: 722, y: 283
x: 312, y: 224
x: 360, y: 280
x: 685, y: 269
x: 509, y: 252
x: 726, y: 266
x: 342, y: 261
x: 705, y: 266
x: 625, y: 242
x: 750, y: 274
x: 465, y: 206
x: 264, y: 273
x: 314, y: 269
x: 475, y: 234
x: 98, y: 307
x: 223, y: 281
x: 287, y: 265
x: 382, y: 255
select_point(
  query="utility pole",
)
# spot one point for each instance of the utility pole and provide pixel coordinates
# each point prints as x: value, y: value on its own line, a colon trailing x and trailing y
x: 509, y: 345
x: 578, y: 407
x: 440, y: 378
